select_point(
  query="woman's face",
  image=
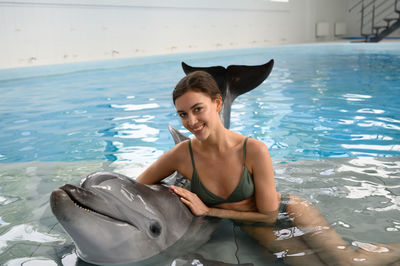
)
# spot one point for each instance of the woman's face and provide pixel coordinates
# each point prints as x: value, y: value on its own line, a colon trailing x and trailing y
x: 198, y: 112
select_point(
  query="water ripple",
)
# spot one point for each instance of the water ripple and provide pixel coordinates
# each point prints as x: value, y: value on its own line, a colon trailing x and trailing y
x: 26, y: 232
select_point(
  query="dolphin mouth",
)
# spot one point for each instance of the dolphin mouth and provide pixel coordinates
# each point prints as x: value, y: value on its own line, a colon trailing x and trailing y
x: 65, y: 195
x: 77, y: 203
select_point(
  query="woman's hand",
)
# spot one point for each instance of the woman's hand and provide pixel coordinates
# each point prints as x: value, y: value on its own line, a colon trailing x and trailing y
x: 195, y: 204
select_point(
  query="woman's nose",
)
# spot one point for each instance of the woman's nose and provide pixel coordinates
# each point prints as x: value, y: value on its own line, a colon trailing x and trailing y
x: 192, y: 120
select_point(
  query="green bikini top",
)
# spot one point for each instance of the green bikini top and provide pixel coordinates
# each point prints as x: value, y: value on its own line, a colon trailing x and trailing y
x: 244, y: 190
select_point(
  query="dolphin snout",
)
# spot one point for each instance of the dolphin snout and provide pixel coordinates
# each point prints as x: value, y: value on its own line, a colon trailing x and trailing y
x: 56, y: 197
x: 78, y: 194
x: 58, y: 204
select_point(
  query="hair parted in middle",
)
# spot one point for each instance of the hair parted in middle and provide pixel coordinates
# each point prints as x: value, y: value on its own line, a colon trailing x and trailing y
x: 199, y: 81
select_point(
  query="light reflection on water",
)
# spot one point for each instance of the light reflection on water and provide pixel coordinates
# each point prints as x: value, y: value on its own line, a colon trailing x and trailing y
x: 326, y: 106
x: 310, y: 107
x: 26, y: 233
x: 358, y: 196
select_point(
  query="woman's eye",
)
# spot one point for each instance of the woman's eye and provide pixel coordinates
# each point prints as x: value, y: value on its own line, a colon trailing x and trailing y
x: 182, y: 115
x: 197, y: 109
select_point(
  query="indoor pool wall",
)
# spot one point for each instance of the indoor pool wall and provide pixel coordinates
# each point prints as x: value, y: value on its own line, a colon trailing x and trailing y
x: 328, y: 113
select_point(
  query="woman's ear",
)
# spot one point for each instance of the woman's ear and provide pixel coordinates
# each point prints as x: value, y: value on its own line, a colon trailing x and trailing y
x: 218, y: 100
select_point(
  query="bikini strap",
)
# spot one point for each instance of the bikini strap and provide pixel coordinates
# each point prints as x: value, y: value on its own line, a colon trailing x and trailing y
x: 244, y: 149
x: 191, y: 154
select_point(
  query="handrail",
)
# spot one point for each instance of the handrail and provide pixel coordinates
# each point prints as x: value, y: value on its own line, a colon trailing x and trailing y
x: 384, y: 10
x: 362, y: 17
x: 370, y: 3
x: 373, y: 16
x: 378, y: 6
x: 380, y: 13
x: 359, y: 2
x: 373, y: 11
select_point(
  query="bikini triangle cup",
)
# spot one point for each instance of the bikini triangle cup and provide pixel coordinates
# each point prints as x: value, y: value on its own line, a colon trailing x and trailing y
x: 244, y: 190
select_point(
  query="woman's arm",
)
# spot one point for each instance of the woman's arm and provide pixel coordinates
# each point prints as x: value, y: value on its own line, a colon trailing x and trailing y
x: 260, y: 164
x: 198, y: 208
x: 164, y: 166
x: 245, y: 217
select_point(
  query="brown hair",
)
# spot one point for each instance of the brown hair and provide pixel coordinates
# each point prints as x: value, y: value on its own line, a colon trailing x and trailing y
x: 199, y: 81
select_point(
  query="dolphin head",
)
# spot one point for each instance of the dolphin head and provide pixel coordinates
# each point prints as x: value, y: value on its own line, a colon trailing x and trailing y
x: 113, y: 219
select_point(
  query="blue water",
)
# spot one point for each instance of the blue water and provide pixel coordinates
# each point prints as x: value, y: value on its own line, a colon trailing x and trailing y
x: 321, y: 101
x: 329, y: 114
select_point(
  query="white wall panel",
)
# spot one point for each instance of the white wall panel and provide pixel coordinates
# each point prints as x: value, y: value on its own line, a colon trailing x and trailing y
x: 56, y: 31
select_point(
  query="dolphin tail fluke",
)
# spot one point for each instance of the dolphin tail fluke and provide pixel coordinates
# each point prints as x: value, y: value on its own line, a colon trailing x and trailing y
x: 217, y: 72
x: 233, y: 81
x: 242, y: 79
x: 238, y: 79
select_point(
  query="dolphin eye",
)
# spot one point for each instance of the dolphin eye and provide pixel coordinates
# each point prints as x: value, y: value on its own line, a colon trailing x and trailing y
x: 155, y: 229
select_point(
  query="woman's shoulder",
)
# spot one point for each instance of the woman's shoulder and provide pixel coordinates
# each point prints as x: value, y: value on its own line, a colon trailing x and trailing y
x: 180, y: 149
x: 253, y: 146
x: 256, y: 148
x: 258, y: 159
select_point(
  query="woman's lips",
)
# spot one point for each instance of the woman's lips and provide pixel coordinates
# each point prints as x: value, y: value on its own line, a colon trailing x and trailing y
x: 198, y: 128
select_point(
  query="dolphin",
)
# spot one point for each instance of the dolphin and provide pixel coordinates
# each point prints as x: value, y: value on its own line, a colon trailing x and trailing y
x: 115, y: 220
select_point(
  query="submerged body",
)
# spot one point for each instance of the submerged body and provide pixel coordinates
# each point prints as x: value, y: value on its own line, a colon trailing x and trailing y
x: 214, y: 160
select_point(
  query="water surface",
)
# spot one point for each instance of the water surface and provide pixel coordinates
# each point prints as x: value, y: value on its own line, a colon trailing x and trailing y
x: 329, y: 114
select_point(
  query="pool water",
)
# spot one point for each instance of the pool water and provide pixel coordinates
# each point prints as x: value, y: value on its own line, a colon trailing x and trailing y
x: 329, y: 114
x: 321, y: 101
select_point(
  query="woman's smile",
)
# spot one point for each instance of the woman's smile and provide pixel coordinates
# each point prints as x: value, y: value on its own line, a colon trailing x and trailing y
x: 197, y: 128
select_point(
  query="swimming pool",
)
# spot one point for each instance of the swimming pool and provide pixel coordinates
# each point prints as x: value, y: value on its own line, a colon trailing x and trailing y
x: 329, y: 114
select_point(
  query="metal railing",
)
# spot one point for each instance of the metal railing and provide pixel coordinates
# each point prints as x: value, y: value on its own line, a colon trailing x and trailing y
x: 374, y: 12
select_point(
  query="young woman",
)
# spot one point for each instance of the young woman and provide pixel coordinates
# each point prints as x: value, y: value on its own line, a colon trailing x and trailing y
x: 232, y: 177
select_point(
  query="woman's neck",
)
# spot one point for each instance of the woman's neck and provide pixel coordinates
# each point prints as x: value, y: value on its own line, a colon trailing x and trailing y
x: 218, y: 142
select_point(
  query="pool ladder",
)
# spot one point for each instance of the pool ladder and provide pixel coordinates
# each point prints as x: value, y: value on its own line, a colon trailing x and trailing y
x: 373, y: 11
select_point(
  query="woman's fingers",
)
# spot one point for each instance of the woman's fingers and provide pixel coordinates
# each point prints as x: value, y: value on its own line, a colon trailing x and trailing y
x: 181, y: 191
x: 191, y: 200
x: 188, y: 203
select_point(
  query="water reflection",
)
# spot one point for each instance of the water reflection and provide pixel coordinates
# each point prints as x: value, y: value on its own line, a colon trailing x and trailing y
x: 131, y: 161
x: 24, y: 233
x: 366, y: 189
x: 135, y: 107
x: 356, y: 97
x: 32, y: 262
x: 137, y: 131
x: 313, y: 110
x: 362, y: 187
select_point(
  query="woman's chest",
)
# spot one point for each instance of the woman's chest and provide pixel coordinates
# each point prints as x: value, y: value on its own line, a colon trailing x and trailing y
x: 220, y: 176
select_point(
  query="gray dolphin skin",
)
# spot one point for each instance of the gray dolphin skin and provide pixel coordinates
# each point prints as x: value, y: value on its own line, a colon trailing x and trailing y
x: 114, y: 220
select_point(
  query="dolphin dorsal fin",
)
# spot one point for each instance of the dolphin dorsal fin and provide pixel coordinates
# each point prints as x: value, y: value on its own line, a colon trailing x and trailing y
x: 176, y: 135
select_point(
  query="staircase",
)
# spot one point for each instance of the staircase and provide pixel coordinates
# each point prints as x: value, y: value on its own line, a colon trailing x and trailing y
x: 379, y: 18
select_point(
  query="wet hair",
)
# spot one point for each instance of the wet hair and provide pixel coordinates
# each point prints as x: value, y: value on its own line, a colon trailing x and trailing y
x: 199, y: 81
